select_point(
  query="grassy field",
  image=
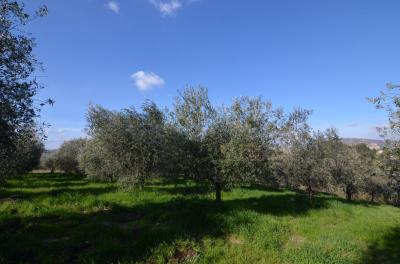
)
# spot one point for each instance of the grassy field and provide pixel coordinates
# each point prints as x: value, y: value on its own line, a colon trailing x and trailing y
x: 61, y: 218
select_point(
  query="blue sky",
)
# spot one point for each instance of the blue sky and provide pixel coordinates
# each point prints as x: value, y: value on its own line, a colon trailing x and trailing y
x: 324, y: 55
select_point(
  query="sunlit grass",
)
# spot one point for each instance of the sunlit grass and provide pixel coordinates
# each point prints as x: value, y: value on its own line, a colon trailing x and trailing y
x: 62, y: 218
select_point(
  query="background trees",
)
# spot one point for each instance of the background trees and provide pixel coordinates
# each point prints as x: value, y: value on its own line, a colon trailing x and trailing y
x: 67, y: 155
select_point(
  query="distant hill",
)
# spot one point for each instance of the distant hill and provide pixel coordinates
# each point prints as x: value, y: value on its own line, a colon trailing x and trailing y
x: 371, y: 143
x: 50, y: 151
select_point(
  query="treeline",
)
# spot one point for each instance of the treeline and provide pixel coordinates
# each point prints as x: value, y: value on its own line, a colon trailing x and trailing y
x: 247, y: 142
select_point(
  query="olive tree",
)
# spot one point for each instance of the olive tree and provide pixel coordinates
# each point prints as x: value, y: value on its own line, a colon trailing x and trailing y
x: 254, y: 132
x: 213, y: 146
x: 292, y: 127
x: 389, y: 100
x: 29, y: 149
x: 50, y: 162
x: 345, y: 165
x: 96, y: 161
x: 308, y: 163
x: 128, y: 143
x: 67, y: 155
x: 390, y: 164
x: 374, y: 180
x: 376, y: 184
x: 230, y: 145
x: 18, y: 85
x: 176, y: 154
x: 192, y: 115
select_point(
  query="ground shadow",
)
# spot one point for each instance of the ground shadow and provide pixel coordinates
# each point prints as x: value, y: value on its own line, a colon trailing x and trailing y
x: 57, y: 184
x: 180, y: 190
x: 44, y: 180
x: 384, y: 251
x: 131, y: 233
x: 117, y: 233
x: 22, y: 195
x: 260, y: 187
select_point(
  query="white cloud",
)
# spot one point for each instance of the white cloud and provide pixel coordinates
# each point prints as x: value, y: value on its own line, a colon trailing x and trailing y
x: 147, y: 80
x: 113, y: 6
x: 167, y: 7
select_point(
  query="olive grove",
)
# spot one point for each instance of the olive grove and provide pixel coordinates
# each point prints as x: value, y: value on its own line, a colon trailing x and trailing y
x: 247, y: 142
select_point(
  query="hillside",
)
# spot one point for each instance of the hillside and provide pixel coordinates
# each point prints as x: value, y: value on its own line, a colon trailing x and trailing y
x: 60, y: 218
x: 371, y: 143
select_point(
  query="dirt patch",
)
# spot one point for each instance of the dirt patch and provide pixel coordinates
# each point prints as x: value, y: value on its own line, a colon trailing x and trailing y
x: 105, y: 210
x: 296, y: 240
x: 183, y: 256
x: 234, y: 240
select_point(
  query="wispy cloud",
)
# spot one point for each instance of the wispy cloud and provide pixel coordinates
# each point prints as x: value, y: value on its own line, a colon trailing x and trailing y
x: 147, y: 80
x: 113, y: 6
x: 170, y: 7
x: 167, y: 8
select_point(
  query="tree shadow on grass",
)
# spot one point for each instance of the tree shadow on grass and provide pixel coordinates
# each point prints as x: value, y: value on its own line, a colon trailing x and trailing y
x: 60, y: 184
x: 181, y: 190
x: 260, y: 187
x: 116, y: 233
x: 23, y: 195
x: 45, y: 180
x: 25, y: 187
x: 202, y: 189
x: 178, y: 187
x: 121, y: 233
x: 385, y: 250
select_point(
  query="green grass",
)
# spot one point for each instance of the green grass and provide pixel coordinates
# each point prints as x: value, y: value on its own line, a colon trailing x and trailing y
x: 62, y: 218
